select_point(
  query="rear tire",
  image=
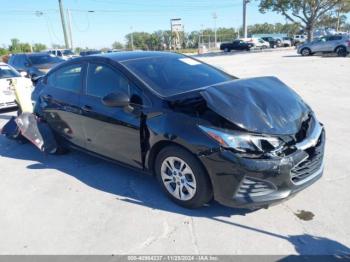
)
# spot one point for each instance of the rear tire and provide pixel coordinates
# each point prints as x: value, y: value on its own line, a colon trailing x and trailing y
x: 182, y: 177
x: 226, y: 50
x: 305, y: 52
x: 341, y: 51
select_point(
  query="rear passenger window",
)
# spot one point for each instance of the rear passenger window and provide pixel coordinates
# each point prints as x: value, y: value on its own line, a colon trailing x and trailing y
x: 335, y: 38
x: 103, y: 80
x: 68, y: 78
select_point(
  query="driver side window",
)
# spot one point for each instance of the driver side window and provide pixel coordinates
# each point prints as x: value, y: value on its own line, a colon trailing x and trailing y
x: 103, y: 80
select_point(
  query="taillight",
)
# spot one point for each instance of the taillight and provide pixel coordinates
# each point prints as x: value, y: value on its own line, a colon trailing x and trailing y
x: 348, y: 42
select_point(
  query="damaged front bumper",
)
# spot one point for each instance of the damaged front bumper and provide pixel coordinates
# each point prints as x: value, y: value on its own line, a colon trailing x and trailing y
x: 252, y: 183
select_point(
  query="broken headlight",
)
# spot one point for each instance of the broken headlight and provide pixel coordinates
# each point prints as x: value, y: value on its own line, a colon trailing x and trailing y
x: 244, y: 142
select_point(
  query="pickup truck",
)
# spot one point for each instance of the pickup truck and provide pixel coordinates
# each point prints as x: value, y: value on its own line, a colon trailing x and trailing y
x: 236, y: 45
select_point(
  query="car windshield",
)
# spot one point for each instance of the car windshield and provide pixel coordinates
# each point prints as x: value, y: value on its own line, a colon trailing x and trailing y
x: 68, y: 52
x: 7, y: 72
x: 44, y: 59
x: 171, y: 75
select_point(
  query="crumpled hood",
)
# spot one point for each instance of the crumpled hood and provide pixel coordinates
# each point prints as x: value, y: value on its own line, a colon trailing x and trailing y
x: 262, y: 104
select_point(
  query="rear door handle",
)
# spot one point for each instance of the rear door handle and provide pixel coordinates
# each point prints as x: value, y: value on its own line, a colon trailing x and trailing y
x: 87, y: 108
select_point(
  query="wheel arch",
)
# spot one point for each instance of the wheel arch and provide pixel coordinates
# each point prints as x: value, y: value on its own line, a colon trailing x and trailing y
x: 339, y: 46
x: 157, y: 147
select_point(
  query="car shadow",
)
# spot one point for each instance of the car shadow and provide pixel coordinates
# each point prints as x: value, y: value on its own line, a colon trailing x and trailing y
x: 136, y: 188
x: 315, y: 55
x: 126, y: 184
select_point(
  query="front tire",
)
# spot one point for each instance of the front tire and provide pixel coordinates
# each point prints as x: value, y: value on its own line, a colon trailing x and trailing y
x: 182, y: 177
x: 341, y: 51
x: 305, y: 52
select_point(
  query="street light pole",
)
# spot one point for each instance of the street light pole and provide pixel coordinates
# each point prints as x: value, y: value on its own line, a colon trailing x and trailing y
x: 63, y: 24
x: 215, y: 38
x: 245, y: 30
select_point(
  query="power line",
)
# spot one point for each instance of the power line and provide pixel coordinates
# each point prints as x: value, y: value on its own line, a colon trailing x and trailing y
x: 76, y: 25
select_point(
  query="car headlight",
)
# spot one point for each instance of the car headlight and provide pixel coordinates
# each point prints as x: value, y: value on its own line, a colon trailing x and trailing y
x: 244, y: 142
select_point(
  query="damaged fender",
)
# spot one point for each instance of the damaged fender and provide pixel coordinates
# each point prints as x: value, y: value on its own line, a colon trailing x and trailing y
x: 37, y: 132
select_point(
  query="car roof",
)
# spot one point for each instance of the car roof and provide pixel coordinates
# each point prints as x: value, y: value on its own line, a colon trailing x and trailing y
x: 130, y: 55
x: 33, y: 54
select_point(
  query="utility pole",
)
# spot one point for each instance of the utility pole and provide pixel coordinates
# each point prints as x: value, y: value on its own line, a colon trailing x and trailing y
x: 69, y: 29
x: 202, y: 26
x: 132, y: 38
x: 171, y: 34
x: 245, y: 31
x: 63, y: 24
x: 215, y: 38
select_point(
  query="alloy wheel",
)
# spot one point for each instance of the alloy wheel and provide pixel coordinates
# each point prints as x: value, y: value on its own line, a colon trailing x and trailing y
x: 178, y: 178
x: 341, y: 51
x: 305, y: 52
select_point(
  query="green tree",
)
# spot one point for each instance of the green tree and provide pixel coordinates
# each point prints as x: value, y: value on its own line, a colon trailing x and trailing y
x: 305, y: 12
x: 78, y: 49
x: 14, y: 47
x: 25, y: 48
x: 341, y: 9
x: 261, y: 29
x: 58, y: 46
x: 3, y: 51
x: 226, y: 34
x: 38, y: 47
x: 139, y: 40
x: 117, y: 45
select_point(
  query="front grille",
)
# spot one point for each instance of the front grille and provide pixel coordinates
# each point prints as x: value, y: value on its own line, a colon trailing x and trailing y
x: 307, y: 168
x: 252, y: 187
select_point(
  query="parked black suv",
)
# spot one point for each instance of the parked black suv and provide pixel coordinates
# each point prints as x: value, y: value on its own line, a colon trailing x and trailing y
x: 236, y: 45
x: 35, y: 64
x: 90, y: 52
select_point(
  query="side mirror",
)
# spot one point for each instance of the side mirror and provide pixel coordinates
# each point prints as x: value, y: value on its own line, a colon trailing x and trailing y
x: 119, y: 99
x: 23, y: 73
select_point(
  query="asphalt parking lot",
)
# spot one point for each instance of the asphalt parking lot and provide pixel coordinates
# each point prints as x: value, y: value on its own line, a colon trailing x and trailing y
x: 77, y: 204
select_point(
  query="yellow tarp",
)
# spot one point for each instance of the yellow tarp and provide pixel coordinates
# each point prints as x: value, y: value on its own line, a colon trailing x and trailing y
x: 23, y: 88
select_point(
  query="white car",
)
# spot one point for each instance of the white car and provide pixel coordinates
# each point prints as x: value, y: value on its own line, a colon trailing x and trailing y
x: 299, y: 39
x: 286, y: 42
x: 62, y: 53
x: 258, y: 42
x: 9, y: 79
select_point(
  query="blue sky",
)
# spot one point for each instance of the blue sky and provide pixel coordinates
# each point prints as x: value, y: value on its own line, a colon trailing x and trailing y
x: 113, y: 19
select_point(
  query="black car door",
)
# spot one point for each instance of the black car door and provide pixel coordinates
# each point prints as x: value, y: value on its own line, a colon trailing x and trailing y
x: 113, y: 132
x: 242, y: 45
x: 235, y: 45
x: 60, y: 102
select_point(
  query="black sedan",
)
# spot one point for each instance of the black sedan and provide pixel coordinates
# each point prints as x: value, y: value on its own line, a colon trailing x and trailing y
x: 203, y: 133
x: 273, y: 42
x: 34, y: 64
x: 236, y: 45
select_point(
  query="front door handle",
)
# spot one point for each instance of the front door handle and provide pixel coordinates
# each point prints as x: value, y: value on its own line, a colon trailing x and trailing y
x: 47, y: 97
x: 87, y: 108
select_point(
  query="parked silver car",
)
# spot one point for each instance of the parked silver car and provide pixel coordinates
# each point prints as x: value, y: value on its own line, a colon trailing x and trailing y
x: 339, y: 44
